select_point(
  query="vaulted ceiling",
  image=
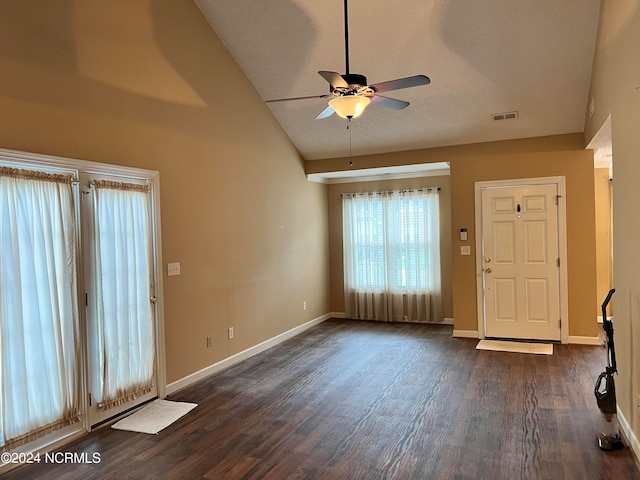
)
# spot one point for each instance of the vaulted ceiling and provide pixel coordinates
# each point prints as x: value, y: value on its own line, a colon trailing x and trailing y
x: 483, y: 58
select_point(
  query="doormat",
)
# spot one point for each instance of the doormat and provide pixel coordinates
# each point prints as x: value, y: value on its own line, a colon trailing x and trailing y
x: 154, y: 417
x: 515, y: 347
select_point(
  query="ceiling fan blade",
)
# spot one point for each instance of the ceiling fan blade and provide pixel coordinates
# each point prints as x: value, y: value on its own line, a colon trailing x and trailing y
x: 406, y: 82
x: 327, y: 112
x: 296, y: 98
x: 334, y: 79
x: 386, y: 102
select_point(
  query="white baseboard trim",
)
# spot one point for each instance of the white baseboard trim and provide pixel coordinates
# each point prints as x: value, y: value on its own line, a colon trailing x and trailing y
x: 465, y: 333
x: 447, y: 321
x: 577, y: 340
x: 630, y: 437
x: 240, y: 356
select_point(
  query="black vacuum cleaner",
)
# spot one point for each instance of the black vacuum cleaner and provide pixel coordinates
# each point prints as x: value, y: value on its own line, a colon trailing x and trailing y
x: 605, y: 389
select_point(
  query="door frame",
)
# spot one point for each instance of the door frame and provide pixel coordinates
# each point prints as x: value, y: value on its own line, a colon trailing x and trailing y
x: 560, y: 182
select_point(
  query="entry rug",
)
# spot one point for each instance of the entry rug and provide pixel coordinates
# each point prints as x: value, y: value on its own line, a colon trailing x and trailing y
x: 515, y: 347
x: 154, y: 417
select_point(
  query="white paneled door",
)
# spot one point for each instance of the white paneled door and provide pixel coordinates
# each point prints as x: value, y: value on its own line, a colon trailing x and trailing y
x: 521, y: 274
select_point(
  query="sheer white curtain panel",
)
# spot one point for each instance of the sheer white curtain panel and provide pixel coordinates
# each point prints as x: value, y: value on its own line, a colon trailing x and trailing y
x: 39, y: 337
x: 392, y: 256
x: 126, y: 340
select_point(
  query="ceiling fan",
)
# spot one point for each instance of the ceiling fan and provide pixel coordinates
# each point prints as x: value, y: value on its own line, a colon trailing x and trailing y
x: 349, y: 93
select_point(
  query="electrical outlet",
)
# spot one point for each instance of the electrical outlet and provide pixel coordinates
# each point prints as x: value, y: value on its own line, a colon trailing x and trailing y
x: 173, y: 269
x: 231, y: 333
x: 304, y: 305
x: 209, y: 341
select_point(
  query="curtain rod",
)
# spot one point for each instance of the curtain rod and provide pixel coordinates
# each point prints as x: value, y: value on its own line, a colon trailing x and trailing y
x: 428, y: 189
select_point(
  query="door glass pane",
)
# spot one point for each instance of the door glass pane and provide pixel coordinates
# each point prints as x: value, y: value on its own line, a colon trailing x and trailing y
x: 39, y: 337
x: 123, y: 367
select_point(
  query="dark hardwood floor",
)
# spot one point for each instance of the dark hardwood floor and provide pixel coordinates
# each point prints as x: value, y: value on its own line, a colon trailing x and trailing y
x: 363, y: 400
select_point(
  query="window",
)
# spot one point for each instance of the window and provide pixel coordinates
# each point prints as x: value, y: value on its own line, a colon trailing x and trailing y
x: 391, y: 247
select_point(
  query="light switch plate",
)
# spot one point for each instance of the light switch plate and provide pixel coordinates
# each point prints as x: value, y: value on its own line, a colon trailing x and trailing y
x: 465, y: 250
x: 173, y: 269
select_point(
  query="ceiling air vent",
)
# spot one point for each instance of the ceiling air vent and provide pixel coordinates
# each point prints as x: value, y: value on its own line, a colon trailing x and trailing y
x: 505, y: 116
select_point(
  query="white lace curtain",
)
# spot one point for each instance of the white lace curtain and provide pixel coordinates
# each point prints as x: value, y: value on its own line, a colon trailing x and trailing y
x: 392, y: 256
x: 125, y: 323
x: 39, y: 341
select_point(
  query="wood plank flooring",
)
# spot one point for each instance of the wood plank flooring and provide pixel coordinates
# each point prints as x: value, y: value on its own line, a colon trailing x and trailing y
x: 366, y: 400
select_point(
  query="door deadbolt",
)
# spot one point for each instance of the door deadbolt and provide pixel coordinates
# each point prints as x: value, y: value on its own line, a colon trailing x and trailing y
x: 487, y: 270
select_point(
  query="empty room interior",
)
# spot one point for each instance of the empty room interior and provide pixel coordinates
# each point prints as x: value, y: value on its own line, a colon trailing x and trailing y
x: 304, y: 217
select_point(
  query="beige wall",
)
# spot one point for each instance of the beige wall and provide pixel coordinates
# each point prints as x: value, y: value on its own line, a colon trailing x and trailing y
x: 615, y: 89
x: 148, y: 84
x: 443, y: 154
x: 335, y: 231
x: 603, y: 236
x: 560, y: 155
x: 577, y: 167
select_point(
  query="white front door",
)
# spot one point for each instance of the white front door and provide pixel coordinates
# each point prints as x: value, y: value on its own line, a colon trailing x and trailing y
x: 520, y: 258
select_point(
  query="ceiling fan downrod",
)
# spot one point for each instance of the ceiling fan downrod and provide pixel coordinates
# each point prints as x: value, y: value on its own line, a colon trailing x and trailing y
x: 355, y: 78
x: 346, y: 37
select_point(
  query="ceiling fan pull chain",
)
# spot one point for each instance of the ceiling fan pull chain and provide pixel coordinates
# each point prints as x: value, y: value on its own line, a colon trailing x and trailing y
x: 349, y: 128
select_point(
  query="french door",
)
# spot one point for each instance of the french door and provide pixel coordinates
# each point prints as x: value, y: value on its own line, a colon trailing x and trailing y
x: 120, y: 294
x: 81, y: 334
x: 80, y: 330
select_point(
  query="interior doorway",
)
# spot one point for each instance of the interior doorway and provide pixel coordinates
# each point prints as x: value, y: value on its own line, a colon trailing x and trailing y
x: 603, y: 187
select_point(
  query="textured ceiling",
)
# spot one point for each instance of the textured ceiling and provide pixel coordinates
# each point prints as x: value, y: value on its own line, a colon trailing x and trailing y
x: 483, y: 57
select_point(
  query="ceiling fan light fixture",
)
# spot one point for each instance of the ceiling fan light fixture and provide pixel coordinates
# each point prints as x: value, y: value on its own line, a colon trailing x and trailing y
x: 349, y: 106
